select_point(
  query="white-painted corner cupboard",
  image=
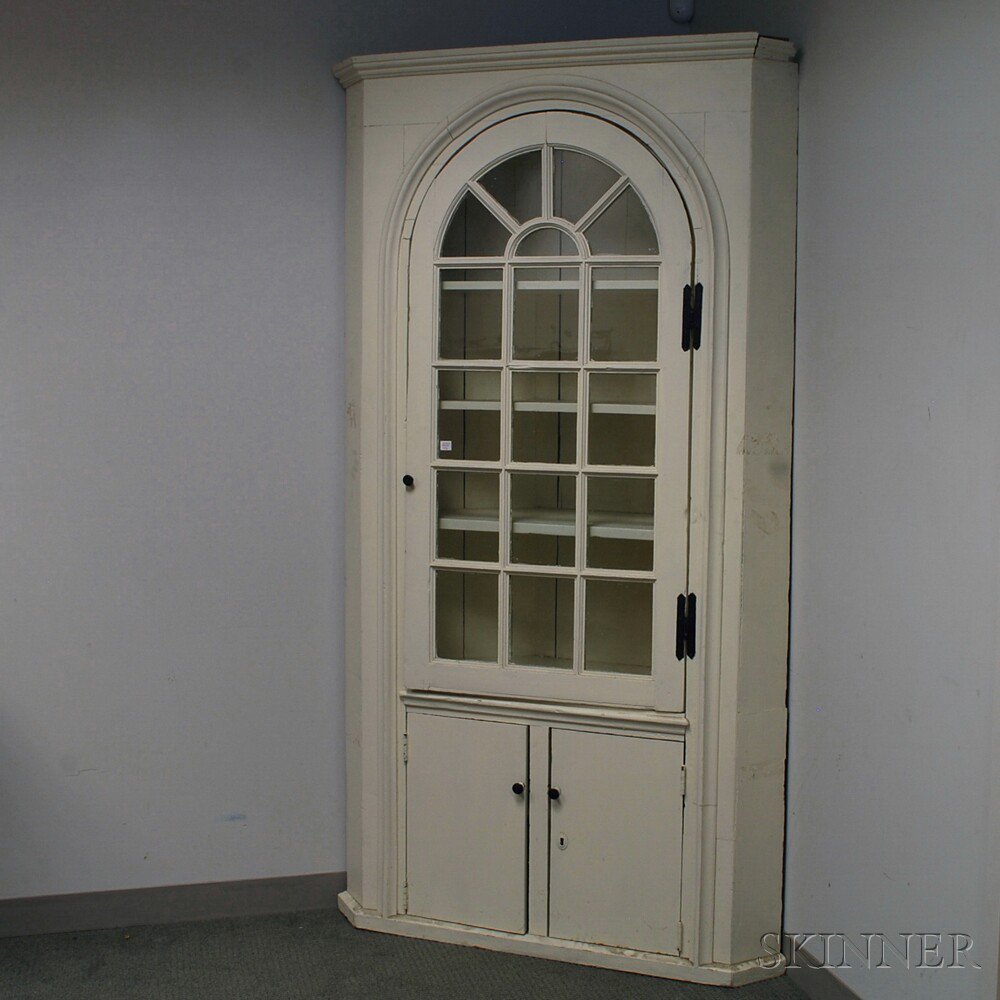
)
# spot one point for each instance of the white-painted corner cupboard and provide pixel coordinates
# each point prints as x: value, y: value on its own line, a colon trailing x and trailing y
x: 569, y: 374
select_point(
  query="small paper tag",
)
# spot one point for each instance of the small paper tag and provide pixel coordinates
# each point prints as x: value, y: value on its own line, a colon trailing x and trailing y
x: 446, y: 446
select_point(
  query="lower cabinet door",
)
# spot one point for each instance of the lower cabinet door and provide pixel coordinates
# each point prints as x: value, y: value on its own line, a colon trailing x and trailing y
x: 466, y: 824
x: 615, y: 849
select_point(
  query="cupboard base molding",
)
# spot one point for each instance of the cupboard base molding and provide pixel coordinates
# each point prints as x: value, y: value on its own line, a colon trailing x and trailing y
x: 618, y: 959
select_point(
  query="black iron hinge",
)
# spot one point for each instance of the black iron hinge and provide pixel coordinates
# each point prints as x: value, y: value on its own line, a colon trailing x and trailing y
x: 691, y: 319
x: 687, y: 619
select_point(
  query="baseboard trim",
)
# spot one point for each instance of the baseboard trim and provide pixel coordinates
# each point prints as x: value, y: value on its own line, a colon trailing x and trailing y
x: 169, y: 904
x: 554, y: 949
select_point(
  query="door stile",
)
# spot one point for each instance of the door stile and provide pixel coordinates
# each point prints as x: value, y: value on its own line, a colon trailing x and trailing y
x: 538, y: 830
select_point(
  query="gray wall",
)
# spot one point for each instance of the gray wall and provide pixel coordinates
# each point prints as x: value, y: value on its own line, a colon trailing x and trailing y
x: 170, y: 454
x: 896, y: 538
x: 170, y: 352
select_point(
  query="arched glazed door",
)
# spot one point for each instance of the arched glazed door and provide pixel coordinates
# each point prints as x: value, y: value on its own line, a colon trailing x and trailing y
x: 547, y: 419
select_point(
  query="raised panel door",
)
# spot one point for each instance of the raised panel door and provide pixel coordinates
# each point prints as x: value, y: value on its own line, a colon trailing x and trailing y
x: 615, y: 840
x: 466, y: 824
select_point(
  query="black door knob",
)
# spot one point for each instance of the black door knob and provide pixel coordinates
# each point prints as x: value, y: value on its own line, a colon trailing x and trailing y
x: 517, y: 788
x: 408, y: 481
x: 554, y: 794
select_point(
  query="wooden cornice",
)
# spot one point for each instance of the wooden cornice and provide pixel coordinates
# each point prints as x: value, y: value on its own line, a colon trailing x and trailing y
x: 552, y: 55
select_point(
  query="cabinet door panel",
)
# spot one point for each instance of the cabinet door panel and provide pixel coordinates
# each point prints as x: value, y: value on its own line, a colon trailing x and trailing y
x: 615, y: 852
x: 466, y: 857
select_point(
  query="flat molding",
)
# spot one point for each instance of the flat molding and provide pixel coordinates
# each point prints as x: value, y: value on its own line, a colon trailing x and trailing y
x: 576, y: 715
x: 620, y: 959
x: 548, y: 55
x: 169, y: 904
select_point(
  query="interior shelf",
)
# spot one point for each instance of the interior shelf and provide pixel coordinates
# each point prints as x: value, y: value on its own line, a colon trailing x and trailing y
x: 472, y: 286
x: 644, y: 409
x: 549, y: 406
x: 633, y: 527
x: 552, y: 662
x: 626, y: 285
x: 544, y: 522
x: 608, y: 667
x: 470, y: 404
x: 600, y: 285
x: 553, y: 285
x: 544, y: 406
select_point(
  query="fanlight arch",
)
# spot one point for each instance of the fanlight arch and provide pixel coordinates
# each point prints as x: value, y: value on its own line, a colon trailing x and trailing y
x: 550, y: 201
x: 548, y: 240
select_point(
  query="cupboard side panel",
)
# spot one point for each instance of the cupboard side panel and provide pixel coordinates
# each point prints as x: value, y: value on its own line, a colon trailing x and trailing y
x: 352, y: 545
x: 375, y: 164
x: 728, y: 150
x: 759, y: 816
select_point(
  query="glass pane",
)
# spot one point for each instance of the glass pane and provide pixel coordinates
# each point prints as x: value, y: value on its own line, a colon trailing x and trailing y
x: 619, y: 522
x: 541, y: 621
x: 622, y: 425
x: 517, y: 184
x: 468, y: 519
x: 544, y: 417
x: 546, y: 313
x: 547, y: 242
x: 623, y: 227
x: 465, y: 619
x: 618, y: 635
x: 471, y: 311
x: 578, y: 181
x: 474, y: 231
x: 623, y: 314
x: 543, y: 519
x: 469, y: 415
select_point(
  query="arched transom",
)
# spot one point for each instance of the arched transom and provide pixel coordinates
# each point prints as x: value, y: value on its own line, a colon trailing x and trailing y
x: 549, y: 201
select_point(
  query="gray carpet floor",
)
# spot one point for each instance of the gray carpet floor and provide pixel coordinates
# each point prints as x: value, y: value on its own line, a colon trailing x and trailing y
x: 309, y: 956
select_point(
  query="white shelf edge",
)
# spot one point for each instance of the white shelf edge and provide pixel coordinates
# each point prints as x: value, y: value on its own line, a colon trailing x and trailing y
x: 543, y: 526
x: 623, y: 409
x: 622, y: 533
x: 547, y: 286
x: 472, y: 286
x: 631, y: 527
x: 544, y: 406
x: 468, y: 522
x: 549, y: 406
x: 638, y: 285
x: 469, y: 404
